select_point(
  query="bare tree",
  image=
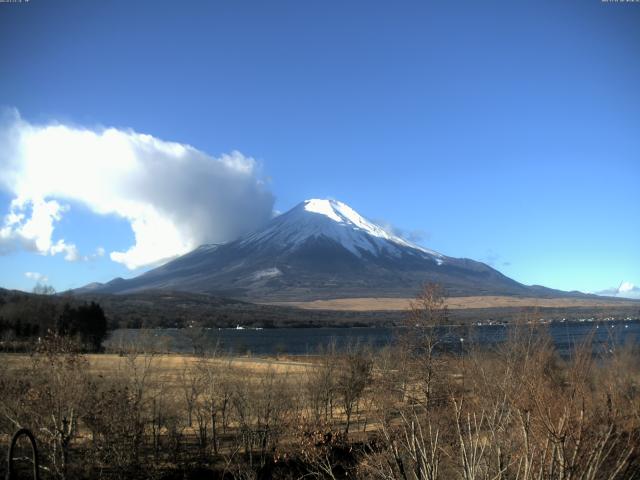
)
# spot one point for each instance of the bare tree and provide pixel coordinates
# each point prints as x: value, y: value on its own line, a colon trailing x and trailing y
x: 191, y: 386
x: 421, y: 339
x: 49, y: 396
x: 321, y: 385
x: 353, y: 377
x: 215, y: 395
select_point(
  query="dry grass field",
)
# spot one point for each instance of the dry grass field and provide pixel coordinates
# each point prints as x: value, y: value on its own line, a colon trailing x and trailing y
x: 519, y: 410
x: 457, y: 303
x: 168, y: 367
x: 359, y: 415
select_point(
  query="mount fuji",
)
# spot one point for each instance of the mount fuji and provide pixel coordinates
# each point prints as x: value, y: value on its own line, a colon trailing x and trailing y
x: 321, y: 249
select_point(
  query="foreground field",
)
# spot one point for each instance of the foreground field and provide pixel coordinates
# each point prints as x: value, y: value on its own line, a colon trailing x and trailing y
x: 409, y: 412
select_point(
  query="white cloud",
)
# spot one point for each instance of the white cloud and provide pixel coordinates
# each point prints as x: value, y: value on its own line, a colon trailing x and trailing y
x: 34, y: 231
x: 626, y: 287
x: 38, y: 277
x: 624, y: 290
x: 174, y: 196
x: 71, y: 253
x: 414, y: 236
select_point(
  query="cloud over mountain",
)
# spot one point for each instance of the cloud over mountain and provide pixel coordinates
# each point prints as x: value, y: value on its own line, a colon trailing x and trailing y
x: 174, y: 196
x: 624, y: 290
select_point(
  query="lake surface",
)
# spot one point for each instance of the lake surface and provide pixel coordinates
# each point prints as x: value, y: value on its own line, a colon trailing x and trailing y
x: 305, y: 341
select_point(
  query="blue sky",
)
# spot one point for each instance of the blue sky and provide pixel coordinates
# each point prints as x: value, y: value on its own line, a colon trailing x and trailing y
x: 507, y: 132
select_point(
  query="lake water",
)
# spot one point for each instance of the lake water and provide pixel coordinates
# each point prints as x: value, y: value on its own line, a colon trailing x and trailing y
x: 304, y: 341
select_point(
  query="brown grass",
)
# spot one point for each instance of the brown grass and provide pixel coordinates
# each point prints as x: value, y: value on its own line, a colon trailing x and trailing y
x: 455, y: 303
x: 168, y: 365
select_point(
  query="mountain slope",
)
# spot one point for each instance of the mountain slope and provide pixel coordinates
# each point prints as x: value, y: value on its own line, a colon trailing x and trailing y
x: 321, y: 249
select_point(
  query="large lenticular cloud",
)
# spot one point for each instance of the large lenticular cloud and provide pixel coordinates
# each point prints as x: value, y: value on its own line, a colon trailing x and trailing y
x: 174, y: 196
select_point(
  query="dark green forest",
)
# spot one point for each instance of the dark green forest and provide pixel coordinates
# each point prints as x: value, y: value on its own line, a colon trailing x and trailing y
x: 27, y: 318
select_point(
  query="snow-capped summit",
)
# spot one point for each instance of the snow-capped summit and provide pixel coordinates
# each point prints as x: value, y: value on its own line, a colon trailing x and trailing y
x: 320, y: 249
x: 319, y: 218
x: 347, y: 216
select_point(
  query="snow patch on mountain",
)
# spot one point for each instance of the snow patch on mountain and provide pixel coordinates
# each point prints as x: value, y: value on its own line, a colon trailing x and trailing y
x: 208, y: 247
x: 266, y: 273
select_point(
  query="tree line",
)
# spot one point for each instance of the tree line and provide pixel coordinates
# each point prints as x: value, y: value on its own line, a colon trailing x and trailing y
x: 26, y: 318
